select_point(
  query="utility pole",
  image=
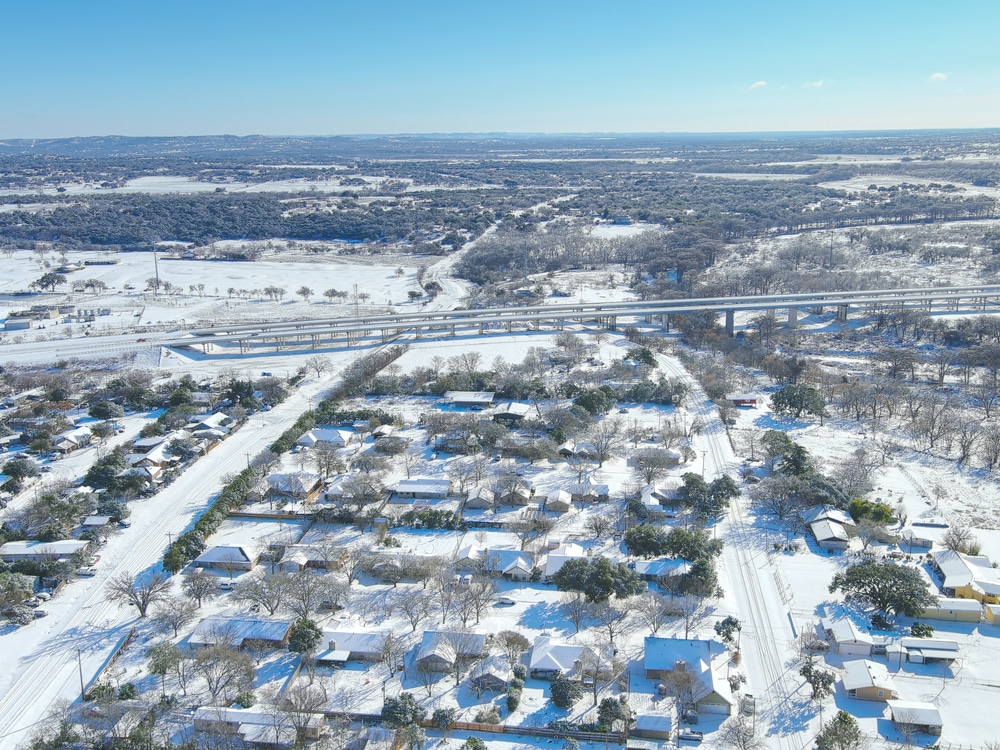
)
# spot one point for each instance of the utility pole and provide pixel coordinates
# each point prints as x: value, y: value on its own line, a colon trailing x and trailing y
x: 156, y: 270
x: 83, y: 690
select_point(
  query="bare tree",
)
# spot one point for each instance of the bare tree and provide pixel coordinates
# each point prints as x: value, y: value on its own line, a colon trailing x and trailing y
x: 200, y: 586
x: 269, y: 591
x: 415, y: 605
x: 576, y: 608
x: 173, y: 613
x: 125, y: 589
x: 740, y: 733
x: 318, y: 364
x: 224, y: 670
x: 614, y: 617
x: 598, y: 524
x: 511, y: 644
x: 529, y: 526
x: 600, y: 663
x: 301, y: 703
x: 692, y: 610
x: 606, y: 437
x: 652, y: 610
x: 307, y: 592
x: 651, y: 463
x: 481, y: 593
x: 960, y: 538
x: 326, y: 461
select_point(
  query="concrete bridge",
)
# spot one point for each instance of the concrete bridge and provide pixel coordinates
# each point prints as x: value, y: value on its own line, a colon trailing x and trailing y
x: 610, y: 315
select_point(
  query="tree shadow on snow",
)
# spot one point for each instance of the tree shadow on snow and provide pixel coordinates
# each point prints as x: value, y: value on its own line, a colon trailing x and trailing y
x: 543, y: 616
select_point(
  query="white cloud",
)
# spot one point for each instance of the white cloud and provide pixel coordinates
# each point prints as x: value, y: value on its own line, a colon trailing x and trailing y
x: 758, y: 85
x: 938, y: 77
x: 812, y: 85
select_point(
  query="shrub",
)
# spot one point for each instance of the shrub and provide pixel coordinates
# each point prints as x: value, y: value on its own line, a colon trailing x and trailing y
x: 127, y: 692
x: 565, y: 693
x: 245, y: 699
x: 489, y: 715
x: 520, y: 672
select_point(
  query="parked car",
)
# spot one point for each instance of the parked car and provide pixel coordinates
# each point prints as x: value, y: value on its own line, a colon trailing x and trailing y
x: 506, y: 600
x: 226, y: 585
x: 691, y: 735
x: 87, y: 572
x: 94, y: 559
x: 124, y: 524
x: 40, y: 613
x: 43, y: 596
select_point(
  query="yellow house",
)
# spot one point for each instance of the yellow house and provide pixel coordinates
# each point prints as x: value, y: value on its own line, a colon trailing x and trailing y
x: 967, y: 576
x: 991, y: 613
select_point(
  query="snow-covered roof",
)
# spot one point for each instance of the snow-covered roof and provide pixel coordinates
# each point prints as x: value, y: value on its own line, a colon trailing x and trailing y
x: 667, y: 566
x: 299, y: 483
x: 448, y: 644
x: 329, y: 435
x: 829, y: 531
x: 961, y: 570
x: 826, y: 513
x: 703, y: 657
x: 357, y: 643
x: 60, y: 548
x: 424, y: 486
x: 915, y: 712
x: 96, y: 521
x: 558, y: 557
x: 512, y: 410
x: 235, y: 553
x: 481, y: 398
x: 213, y: 630
x: 862, y: 673
x: 845, y: 631
x: 550, y: 655
x: 496, y: 559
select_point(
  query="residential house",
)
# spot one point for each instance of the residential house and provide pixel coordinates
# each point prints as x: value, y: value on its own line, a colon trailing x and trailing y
x: 560, y: 556
x: 706, y: 660
x: 301, y: 486
x: 438, y: 650
x: 298, y: 557
x: 333, y: 489
x: 743, y: 399
x: 664, y: 567
x: 511, y: 413
x: 258, y: 728
x: 551, y: 658
x: 41, y: 551
x: 869, y: 681
x: 925, y: 717
x: 911, y: 539
x: 67, y: 442
x: 559, y: 501
x: 350, y: 645
x: 237, y: 632
x: 480, y: 498
x: 330, y: 438
x: 383, y: 431
x: 215, y: 421
x: 954, y: 610
x: 490, y: 675
x: 229, y: 558
x: 512, y: 564
x: 582, y: 451
x: 588, y: 491
x: 95, y: 522
x: 423, y: 488
x: 847, y: 638
x: 967, y: 576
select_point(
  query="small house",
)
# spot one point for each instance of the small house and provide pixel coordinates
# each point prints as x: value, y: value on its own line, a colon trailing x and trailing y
x: 480, y: 498
x: 743, y: 399
x: 847, y: 638
x: 302, y: 486
x: 41, y: 551
x: 470, y: 399
x: 258, y: 728
x: 652, y: 726
x: 967, y: 576
x: 352, y: 645
x: 869, y: 681
x: 490, y: 675
x: 559, y: 501
x: 511, y: 413
x: 830, y: 535
x: 560, y: 556
x: 330, y: 438
x: 588, y: 491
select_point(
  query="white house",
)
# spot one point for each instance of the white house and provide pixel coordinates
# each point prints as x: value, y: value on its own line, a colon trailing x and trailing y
x: 559, y: 557
x: 707, y: 661
x: 326, y: 437
x: 848, y: 638
x: 423, y: 488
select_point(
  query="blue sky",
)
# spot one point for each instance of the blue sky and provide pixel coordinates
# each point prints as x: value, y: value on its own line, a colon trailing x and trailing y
x: 321, y: 68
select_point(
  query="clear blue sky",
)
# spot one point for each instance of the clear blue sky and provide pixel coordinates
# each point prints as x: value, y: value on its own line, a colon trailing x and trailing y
x: 174, y: 67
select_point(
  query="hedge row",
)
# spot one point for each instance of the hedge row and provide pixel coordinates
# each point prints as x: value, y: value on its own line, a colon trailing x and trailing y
x: 191, y: 543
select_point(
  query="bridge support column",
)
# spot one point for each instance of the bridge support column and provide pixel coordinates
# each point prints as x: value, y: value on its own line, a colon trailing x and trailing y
x: 665, y: 323
x: 612, y: 322
x: 730, y: 323
x: 793, y: 317
x: 418, y: 332
x: 480, y: 328
x: 452, y: 329
x: 509, y: 326
x: 842, y: 313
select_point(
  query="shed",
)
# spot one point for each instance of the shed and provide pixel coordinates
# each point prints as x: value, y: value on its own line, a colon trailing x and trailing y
x: 954, y: 610
x: 652, y: 726
x: 924, y: 716
x: 848, y: 638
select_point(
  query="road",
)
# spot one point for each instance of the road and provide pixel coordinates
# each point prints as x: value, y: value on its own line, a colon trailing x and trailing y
x: 767, y: 638
x: 41, y: 668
